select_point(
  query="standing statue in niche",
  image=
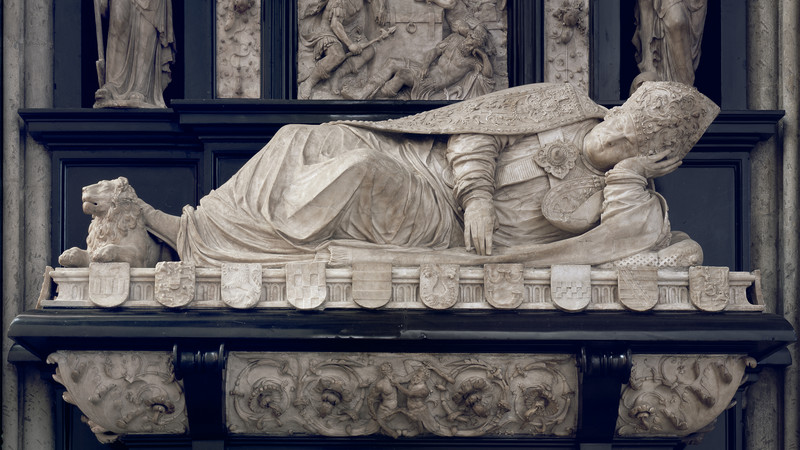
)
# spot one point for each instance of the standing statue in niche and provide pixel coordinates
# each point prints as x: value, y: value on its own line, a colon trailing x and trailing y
x: 537, y: 174
x: 668, y: 37
x: 134, y: 69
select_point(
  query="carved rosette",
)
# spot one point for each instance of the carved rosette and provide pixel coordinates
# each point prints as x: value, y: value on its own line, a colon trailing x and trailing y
x: 123, y: 392
x: 401, y: 394
x: 677, y: 395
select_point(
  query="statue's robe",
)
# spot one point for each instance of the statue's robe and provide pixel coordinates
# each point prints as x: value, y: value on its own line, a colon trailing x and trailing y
x: 139, y: 54
x: 668, y: 37
x: 394, y: 190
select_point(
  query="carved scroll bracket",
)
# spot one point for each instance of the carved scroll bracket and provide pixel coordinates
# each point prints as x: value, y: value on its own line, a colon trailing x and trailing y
x: 122, y: 392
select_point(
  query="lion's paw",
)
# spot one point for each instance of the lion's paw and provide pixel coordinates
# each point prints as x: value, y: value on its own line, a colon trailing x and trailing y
x: 74, y: 257
x: 105, y: 254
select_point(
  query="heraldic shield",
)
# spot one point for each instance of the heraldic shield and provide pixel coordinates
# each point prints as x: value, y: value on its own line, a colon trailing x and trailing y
x: 438, y: 285
x: 638, y: 288
x: 174, y: 283
x: 306, y: 284
x: 109, y: 283
x: 571, y: 287
x: 709, y: 289
x: 240, y: 285
x: 502, y: 285
x: 372, y: 284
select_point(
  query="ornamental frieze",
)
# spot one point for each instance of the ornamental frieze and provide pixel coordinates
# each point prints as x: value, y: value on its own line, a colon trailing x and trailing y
x: 403, y: 394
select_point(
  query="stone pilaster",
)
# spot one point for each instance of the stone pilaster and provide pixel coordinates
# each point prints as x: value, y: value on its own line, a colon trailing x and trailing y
x: 566, y: 25
x: 27, y: 82
x: 772, y: 84
x: 238, y: 49
x: 789, y: 251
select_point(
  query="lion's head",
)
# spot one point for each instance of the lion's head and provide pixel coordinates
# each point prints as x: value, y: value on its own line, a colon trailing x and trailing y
x: 114, y: 209
x: 104, y: 195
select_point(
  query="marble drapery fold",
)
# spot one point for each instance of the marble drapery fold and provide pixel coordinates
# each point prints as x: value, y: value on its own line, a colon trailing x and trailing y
x: 139, y: 53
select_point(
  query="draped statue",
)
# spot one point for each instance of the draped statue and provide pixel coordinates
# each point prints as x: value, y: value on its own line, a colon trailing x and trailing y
x: 668, y: 37
x: 135, y: 67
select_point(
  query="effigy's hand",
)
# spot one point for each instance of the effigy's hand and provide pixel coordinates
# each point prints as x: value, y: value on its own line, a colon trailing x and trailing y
x: 480, y: 221
x: 651, y: 166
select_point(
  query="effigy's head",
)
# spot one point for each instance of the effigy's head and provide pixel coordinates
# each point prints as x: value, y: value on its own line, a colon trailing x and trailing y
x: 660, y: 115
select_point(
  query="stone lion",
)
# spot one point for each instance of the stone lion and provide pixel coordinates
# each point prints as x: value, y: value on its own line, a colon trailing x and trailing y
x: 117, y: 232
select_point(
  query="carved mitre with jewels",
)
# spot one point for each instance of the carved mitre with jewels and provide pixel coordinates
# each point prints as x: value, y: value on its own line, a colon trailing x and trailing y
x: 667, y: 114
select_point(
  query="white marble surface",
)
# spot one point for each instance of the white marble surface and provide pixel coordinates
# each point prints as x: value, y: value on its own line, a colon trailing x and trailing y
x: 453, y: 287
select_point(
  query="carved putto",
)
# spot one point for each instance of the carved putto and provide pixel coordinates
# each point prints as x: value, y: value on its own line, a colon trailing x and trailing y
x: 453, y: 49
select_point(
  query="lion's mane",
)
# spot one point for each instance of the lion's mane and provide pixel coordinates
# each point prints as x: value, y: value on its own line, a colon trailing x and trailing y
x: 123, y: 216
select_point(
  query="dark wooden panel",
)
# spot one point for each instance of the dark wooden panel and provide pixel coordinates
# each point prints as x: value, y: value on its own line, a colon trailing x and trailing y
x: 605, y: 51
x: 708, y: 197
x: 67, y: 66
x: 279, y: 49
x: 525, y: 41
x: 197, y: 43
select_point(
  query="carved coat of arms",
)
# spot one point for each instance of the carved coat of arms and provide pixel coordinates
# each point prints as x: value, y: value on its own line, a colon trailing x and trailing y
x: 708, y: 287
x: 306, y: 284
x: 240, y: 285
x: 571, y: 287
x: 638, y: 288
x: 502, y: 285
x: 175, y: 282
x: 109, y: 283
x: 372, y: 284
x: 438, y: 285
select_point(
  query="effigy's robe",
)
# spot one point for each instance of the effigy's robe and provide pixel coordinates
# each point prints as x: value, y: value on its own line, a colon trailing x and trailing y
x: 350, y: 191
x: 315, y: 183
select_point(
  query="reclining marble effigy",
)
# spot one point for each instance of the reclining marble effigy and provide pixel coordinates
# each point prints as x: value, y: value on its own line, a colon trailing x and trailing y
x: 536, y: 176
x: 531, y: 174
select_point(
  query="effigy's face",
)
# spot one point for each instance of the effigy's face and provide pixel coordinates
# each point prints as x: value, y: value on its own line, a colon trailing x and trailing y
x: 611, y: 141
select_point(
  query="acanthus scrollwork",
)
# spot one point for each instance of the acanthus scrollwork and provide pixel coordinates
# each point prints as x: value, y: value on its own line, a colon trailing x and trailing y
x: 401, y: 394
x: 122, y: 392
x: 677, y: 395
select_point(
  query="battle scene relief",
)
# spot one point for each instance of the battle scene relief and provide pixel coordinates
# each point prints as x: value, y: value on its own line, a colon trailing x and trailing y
x: 401, y: 49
